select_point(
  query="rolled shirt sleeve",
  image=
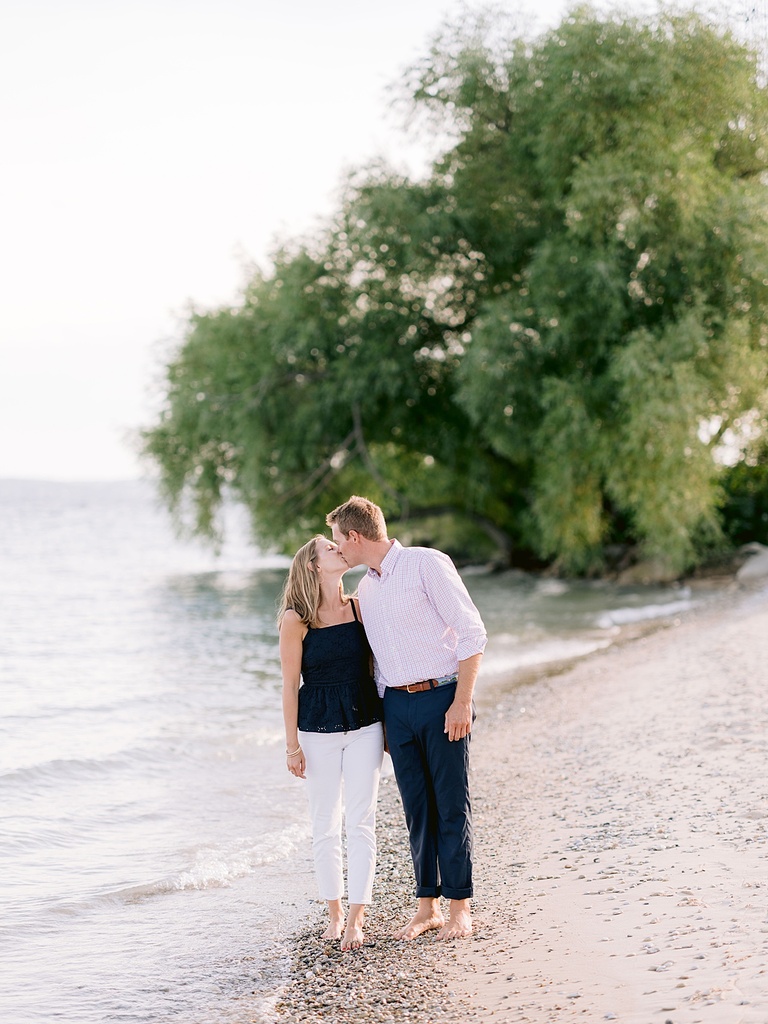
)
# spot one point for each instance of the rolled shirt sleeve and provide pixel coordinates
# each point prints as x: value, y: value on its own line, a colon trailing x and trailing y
x: 449, y: 596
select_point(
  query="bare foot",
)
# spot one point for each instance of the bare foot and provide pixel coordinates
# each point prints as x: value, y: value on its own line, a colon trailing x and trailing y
x: 334, y: 930
x: 427, y: 917
x: 353, y: 934
x: 459, y: 925
x: 353, y: 937
x: 335, y: 927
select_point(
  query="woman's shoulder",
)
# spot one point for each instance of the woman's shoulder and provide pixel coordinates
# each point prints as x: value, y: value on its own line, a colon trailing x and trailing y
x: 293, y: 624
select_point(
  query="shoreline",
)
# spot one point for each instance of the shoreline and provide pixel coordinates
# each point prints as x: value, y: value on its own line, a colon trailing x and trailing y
x: 721, y: 589
x: 631, y: 882
x: 614, y: 878
x: 384, y: 981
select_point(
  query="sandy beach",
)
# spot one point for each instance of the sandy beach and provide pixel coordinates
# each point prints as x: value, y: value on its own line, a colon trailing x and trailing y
x: 621, y: 858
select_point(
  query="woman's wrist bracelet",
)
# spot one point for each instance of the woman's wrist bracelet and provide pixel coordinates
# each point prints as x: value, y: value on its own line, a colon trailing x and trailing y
x: 293, y: 753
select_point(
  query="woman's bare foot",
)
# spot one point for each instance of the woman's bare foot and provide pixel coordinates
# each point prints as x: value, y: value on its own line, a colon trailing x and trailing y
x: 353, y: 937
x: 334, y: 930
x: 335, y: 927
x: 459, y: 925
x: 427, y: 917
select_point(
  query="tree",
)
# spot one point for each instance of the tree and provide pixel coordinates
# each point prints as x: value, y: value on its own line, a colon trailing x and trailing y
x: 550, y: 336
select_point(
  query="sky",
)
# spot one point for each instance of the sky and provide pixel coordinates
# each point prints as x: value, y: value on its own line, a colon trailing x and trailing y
x: 152, y: 150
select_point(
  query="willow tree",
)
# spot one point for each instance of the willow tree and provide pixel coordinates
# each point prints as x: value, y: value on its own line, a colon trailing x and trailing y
x: 551, y: 335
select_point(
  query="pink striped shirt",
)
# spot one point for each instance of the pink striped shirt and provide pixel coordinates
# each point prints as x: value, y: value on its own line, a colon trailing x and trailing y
x: 419, y: 618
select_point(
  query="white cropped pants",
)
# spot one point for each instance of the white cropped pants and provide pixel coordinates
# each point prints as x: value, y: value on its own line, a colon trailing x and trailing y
x: 343, y: 768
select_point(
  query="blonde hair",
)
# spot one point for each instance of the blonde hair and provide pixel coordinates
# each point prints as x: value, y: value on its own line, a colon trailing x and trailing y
x: 361, y: 515
x: 301, y: 591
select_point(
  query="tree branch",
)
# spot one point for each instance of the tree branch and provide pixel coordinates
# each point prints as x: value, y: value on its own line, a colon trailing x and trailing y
x: 365, y: 455
x: 321, y: 471
x: 500, y: 537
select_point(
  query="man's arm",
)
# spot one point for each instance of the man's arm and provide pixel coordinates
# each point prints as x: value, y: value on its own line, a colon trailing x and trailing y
x: 448, y: 595
x: 458, y: 717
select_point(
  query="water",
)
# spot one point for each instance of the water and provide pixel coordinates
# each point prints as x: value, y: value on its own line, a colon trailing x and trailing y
x: 153, y: 850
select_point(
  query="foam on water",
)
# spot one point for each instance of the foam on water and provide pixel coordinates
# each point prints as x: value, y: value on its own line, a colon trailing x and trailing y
x: 625, y: 616
x: 211, y: 866
x: 507, y: 654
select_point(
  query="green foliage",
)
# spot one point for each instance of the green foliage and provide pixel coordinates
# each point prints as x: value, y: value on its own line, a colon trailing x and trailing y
x: 550, y: 337
x: 746, y: 504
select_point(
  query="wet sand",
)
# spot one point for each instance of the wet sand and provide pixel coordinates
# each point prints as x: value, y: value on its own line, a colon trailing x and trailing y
x: 621, y: 856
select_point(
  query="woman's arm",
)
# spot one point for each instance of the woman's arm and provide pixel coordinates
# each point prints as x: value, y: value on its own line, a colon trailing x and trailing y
x: 292, y: 633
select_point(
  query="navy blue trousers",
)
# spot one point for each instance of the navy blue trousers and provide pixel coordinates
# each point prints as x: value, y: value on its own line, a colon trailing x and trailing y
x: 433, y: 777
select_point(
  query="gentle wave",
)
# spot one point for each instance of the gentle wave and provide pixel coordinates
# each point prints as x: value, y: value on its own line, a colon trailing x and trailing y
x: 626, y: 616
x: 499, y: 660
x: 60, y: 769
x: 63, y: 770
x: 507, y: 652
x: 28, y: 842
x: 213, y: 867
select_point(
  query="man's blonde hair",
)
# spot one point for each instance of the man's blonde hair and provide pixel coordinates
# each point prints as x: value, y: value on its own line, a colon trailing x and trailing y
x: 361, y: 515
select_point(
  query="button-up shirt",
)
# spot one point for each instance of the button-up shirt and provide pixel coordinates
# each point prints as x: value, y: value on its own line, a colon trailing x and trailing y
x: 418, y: 616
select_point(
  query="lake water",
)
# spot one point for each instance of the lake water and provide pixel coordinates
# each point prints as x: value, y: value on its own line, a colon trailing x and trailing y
x: 154, y: 852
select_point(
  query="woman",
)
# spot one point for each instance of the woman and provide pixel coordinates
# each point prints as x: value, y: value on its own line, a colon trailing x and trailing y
x: 333, y: 730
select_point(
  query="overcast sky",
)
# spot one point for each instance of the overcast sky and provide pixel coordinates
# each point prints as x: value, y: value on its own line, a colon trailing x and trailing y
x: 150, y: 149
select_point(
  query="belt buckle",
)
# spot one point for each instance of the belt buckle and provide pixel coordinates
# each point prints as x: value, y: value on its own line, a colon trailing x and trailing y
x: 419, y: 686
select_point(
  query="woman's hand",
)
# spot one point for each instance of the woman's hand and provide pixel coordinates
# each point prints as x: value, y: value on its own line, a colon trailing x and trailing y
x: 296, y: 763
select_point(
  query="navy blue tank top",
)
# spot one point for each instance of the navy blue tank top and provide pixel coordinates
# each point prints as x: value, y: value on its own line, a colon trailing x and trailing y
x: 338, y: 693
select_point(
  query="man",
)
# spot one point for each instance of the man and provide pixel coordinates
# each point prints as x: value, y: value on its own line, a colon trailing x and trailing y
x: 427, y: 639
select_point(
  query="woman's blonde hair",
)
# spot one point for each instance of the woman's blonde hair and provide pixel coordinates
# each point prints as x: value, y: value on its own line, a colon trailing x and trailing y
x: 301, y: 591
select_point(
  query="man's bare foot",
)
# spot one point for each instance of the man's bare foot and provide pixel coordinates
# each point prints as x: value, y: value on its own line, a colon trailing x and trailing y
x: 335, y: 927
x: 459, y: 924
x: 427, y: 917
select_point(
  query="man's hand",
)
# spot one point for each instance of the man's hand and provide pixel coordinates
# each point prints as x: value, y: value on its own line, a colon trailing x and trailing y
x: 458, y: 720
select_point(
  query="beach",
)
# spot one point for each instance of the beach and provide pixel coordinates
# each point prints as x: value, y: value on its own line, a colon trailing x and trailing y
x: 147, y: 814
x: 621, y: 865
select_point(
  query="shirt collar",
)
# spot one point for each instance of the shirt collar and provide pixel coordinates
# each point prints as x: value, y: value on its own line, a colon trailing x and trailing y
x: 388, y: 562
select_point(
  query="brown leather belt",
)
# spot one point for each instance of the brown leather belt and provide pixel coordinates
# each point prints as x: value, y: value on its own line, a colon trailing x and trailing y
x: 425, y: 684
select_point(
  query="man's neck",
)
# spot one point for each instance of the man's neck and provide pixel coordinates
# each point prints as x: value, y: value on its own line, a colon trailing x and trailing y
x: 379, y: 551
